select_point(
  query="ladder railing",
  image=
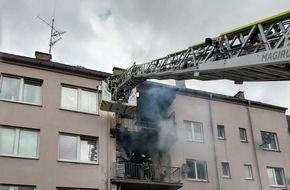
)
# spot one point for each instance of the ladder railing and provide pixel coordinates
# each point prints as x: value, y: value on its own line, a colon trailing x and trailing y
x: 261, y: 36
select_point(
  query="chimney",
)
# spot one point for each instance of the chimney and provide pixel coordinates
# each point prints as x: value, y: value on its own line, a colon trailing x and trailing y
x: 42, y: 56
x: 118, y: 71
x: 240, y: 95
x: 180, y: 83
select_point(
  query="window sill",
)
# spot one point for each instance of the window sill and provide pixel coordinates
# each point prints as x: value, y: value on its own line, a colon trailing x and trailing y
x: 271, y: 150
x: 17, y: 156
x: 243, y: 141
x: 197, y: 180
x: 220, y: 138
x: 20, y: 102
x: 196, y: 141
x: 277, y: 186
x: 77, y: 162
x: 76, y: 111
x: 227, y: 177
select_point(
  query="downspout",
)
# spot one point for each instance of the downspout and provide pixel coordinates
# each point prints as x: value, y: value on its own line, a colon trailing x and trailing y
x: 213, y: 144
x: 253, y: 144
x: 108, y: 152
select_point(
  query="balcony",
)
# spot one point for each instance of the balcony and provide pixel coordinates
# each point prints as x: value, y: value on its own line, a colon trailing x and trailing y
x: 139, y: 176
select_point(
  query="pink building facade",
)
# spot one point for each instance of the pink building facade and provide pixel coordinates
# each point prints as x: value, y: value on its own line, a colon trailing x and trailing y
x: 54, y: 136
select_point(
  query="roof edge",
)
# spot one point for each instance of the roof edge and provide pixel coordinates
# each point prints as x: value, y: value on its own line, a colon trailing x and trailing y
x: 50, y: 64
x: 215, y: 96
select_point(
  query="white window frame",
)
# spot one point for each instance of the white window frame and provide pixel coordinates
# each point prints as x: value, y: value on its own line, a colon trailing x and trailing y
x: 248, y: 171
x: 204, y: 164
x: 15, y: 187
x: 269, y: 146
x: 273, y: 171
x: 79, y: 98
x: 16, y: 143
x: 21, y: 88
x: 194, y: 124
x: 244, y: 132
x: 223, y: 137
x: 226, y: 166
x: 78, y: 147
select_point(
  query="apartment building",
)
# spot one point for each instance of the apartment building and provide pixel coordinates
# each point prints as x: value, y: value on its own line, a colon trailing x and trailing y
x: 230, y: 142
x: 54, y: 136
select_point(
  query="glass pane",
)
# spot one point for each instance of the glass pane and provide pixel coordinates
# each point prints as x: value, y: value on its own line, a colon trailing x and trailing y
x: 32, y: 92
x: 10, y: 88
x: 198, y: 132
x: 201, y: 170
x: 191, y: 172
x: 265, y: 145
x: 242, y: 134
x: 188, y: 130
x: 28, y: 143
x: 88, y: 150
x: 279, y: 176
x: 273, y: 144
x: 89, y: 101
x: 4, y: 187
x: 68, y: 147
x: 69, y: 98
x: 220, y: 131
x: 7, y: 138
x: 271, y: 176
x: 225, y: 168
x: 248, y: 171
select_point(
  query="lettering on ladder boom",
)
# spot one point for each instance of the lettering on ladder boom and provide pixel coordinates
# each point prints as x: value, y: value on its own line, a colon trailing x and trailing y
x: 276, y: 55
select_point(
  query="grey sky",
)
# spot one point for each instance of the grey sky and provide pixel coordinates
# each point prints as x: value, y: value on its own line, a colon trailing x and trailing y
x: 102, y: 34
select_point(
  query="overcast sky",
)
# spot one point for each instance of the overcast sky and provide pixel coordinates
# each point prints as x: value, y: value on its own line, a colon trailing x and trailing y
x: 102, y: 34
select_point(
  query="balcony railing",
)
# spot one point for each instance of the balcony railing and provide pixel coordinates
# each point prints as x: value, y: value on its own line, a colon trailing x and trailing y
x: 145, y: 172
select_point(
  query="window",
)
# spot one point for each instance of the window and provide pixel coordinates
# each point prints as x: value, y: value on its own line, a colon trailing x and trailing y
x: 243, y: 134
x: 18, y: 142
x: 8, y: 187
x: 248, y: 171
x: 221, y: 132
x: 79, y: 100
x: 226, y: 169
x: 270, y: 141
x: 276, y: 176
x: 197, y: 170
x: 21, y: 89
x: 194, y: 131
x: 78, y: 148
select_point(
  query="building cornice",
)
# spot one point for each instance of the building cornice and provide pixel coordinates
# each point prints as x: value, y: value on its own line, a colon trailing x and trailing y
x: 52, y: 66
x: 216, y: 97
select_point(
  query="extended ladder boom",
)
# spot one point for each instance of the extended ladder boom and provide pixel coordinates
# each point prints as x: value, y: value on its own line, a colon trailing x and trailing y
x: 259, y: 51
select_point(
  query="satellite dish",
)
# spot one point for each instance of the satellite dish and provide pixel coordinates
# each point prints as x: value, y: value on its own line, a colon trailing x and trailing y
x: 267, y: 138
x: 185, y: 168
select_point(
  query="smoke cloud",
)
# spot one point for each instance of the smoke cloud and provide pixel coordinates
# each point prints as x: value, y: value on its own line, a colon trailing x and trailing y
x: 156, y: 131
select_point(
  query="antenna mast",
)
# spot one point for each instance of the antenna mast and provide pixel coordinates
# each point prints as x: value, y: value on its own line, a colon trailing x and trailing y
x: 54, y: 33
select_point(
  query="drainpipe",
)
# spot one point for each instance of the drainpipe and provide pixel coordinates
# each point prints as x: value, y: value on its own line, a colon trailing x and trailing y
x: 253, y: 144
x: 213, y: 145
x: 108, y: 152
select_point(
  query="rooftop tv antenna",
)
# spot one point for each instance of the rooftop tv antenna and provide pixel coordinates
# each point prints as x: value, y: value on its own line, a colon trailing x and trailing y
x: 54, y: 33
